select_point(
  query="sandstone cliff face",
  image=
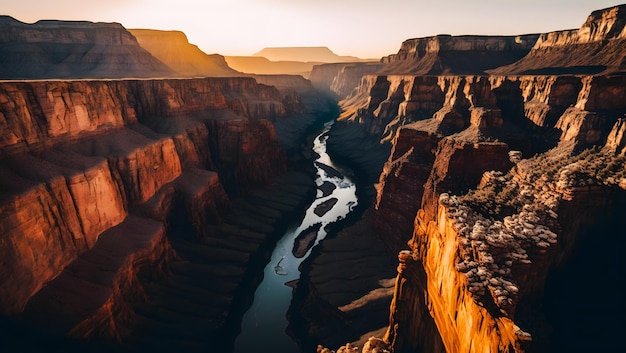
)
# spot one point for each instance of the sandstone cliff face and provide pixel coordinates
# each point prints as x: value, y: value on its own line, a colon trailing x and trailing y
x: 187, y: 60
x: 445, y: 54
x: 37, y: 115
x: 66, y: 49
x: 595, y: 48
x: 340, y: 78
x: 510, y: 231
x: 78, y: 156
x: 557, y: 108
x: 501, y: 265
x: 499, y: 241
x: 401, y: 185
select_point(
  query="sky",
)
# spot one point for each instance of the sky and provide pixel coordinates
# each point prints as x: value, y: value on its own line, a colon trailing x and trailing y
x: 362, y: 28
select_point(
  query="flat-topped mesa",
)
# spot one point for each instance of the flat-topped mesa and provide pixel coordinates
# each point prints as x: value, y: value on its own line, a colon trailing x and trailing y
x: 597, y: 47
x: 64, y: 32
x: 446, y: 54
x: 173, y: 49
x: 73, y: 49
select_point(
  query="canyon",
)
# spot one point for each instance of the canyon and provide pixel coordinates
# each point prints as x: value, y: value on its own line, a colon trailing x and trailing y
x: 140, y: 203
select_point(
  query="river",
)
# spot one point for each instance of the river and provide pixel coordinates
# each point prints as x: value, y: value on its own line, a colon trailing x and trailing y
x: 264, y: 325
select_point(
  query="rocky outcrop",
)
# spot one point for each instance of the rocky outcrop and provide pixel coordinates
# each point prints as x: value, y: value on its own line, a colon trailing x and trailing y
x: 73, y: 49
x: 465, y: 55
x: 40, y: 114
x: 401, y: 185
x: 473, y: 112
x: 186, y: 59
x: 78, y: 156
x: 495, y: 268
x: 340, y: 78
x: 595, y: 48
x: 552, y: 108
x: 50, y: 215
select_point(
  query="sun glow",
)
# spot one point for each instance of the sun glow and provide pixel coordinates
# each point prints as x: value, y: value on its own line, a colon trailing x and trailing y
x: 365, y: 28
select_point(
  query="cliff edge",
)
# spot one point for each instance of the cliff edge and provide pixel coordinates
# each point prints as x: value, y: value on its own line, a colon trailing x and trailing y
x: 73, y: 49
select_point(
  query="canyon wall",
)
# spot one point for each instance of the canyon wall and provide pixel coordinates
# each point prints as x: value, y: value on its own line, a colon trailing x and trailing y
x: 73, y: 49
x: 548, y: 108
x: 446, y: 132
x: 83, y: 158
x: 187, y: 60
x: 445, y: 54
x: 340, y: 78
x: 496, y: 185
x: 595, y: 48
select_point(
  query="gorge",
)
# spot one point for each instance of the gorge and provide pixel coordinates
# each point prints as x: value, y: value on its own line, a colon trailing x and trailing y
x: 462, y: 195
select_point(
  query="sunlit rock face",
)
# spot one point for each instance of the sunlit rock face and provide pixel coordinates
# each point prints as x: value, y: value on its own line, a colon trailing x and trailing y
x: 500, y: 182
x: 597, y: 47
x: 85, y: 160
x: 488, y: 256
x: 553, y: 108
x: 186, y: 59
x: 73, y: 49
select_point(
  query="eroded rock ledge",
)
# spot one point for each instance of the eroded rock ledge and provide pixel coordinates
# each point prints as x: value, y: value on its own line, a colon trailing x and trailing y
x: 98, y: 176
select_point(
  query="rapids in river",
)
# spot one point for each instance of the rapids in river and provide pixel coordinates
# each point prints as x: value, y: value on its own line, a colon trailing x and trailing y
x: 264, y: 325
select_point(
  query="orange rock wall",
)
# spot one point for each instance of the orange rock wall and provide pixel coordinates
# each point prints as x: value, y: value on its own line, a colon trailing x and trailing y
x: 77, y: 156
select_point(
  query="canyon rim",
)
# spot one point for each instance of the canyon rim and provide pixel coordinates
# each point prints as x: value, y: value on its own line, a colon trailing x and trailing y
x: 145, y: 185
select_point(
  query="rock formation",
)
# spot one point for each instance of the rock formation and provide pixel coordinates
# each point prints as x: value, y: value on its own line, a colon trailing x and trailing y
x: 497, y: 183
x: 445, y: 54
x: 73, y: 49
x: 98, y: 175
x: 438, y: 55
x: 186, y: 59
x: 258, y: 65
x: 595, y: 48
x: 303, y: 54
x: 341, y: 78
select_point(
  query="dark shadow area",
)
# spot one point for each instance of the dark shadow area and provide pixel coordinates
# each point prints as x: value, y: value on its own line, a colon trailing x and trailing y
x: 583, y: 299
x: 567, y: 70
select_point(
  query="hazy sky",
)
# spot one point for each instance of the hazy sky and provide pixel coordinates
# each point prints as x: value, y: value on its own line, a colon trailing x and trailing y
x: 364, y: 28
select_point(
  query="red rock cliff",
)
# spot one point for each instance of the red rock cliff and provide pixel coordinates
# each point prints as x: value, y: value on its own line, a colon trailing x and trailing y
x: 78, y: 156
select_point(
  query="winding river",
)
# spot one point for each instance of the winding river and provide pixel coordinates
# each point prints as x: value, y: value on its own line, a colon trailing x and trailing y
x: 263, y: 328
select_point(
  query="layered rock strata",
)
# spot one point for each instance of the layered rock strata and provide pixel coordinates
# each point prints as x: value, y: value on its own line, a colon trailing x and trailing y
x: 497, y: 238
x: 489, y: 256
x: 445, y: 54
x: 597, y: 47
x: 340, y: 78
x: 89, y: 165
x: 498, y: 245
x: 584, y: 109
x: 73, y: 49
